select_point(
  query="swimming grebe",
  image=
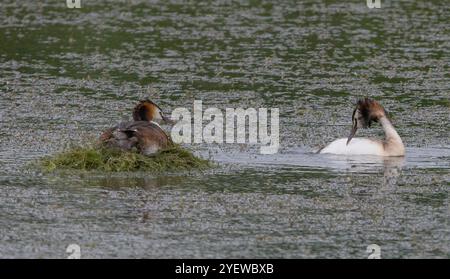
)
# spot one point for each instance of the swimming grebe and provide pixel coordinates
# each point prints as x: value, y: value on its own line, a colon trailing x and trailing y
x: 143, y: 133
x: 366, y: 111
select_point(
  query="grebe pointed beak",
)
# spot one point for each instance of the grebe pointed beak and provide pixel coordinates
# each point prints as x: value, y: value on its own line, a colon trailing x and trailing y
x: 352, y: 133
x: 167, y: 119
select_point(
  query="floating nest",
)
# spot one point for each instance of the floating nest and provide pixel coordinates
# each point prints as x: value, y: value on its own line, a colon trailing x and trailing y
x: 101, y: 158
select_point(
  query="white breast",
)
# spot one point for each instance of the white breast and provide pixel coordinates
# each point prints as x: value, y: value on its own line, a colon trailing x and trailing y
x: 357, y: 146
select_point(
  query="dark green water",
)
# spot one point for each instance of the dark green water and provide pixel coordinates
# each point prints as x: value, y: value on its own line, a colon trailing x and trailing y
x: 66, y: 74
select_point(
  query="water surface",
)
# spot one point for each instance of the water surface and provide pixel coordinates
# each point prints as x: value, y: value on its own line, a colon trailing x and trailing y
x: 67, y: 74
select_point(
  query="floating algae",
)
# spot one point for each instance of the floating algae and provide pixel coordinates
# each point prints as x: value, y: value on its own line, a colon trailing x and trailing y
x: 100, y: 158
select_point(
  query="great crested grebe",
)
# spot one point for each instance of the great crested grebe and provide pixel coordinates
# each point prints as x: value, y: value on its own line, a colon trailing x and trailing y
x: 143, y: 133
x: 366, y: 111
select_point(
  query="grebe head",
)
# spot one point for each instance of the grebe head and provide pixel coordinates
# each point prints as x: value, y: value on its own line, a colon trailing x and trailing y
x: 146, y: 110
x: 366, y: 112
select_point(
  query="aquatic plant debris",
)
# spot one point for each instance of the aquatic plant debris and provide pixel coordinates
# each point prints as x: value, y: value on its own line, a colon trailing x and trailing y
x: 99, y: 158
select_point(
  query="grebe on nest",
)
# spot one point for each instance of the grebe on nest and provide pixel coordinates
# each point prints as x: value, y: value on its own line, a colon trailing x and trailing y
x: 143, y: 133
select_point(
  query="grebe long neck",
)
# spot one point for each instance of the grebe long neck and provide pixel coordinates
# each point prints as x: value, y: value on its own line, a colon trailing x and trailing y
x: 393, y: 144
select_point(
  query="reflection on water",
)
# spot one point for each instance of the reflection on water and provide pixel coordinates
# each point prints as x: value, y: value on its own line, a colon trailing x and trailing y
x: 299, y: 157
x: 392, y: 169
x: 144, y: 182
x: 68, y: 74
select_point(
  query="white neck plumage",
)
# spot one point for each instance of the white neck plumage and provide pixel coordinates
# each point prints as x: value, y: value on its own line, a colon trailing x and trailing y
x: 393, y: 144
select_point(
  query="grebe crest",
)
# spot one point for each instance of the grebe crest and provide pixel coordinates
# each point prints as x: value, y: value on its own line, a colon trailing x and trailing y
x: 147, y: 110
x: 366, y: 112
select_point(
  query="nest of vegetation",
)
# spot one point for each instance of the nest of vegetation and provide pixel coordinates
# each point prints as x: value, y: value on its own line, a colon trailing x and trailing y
x: 101, y: 158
